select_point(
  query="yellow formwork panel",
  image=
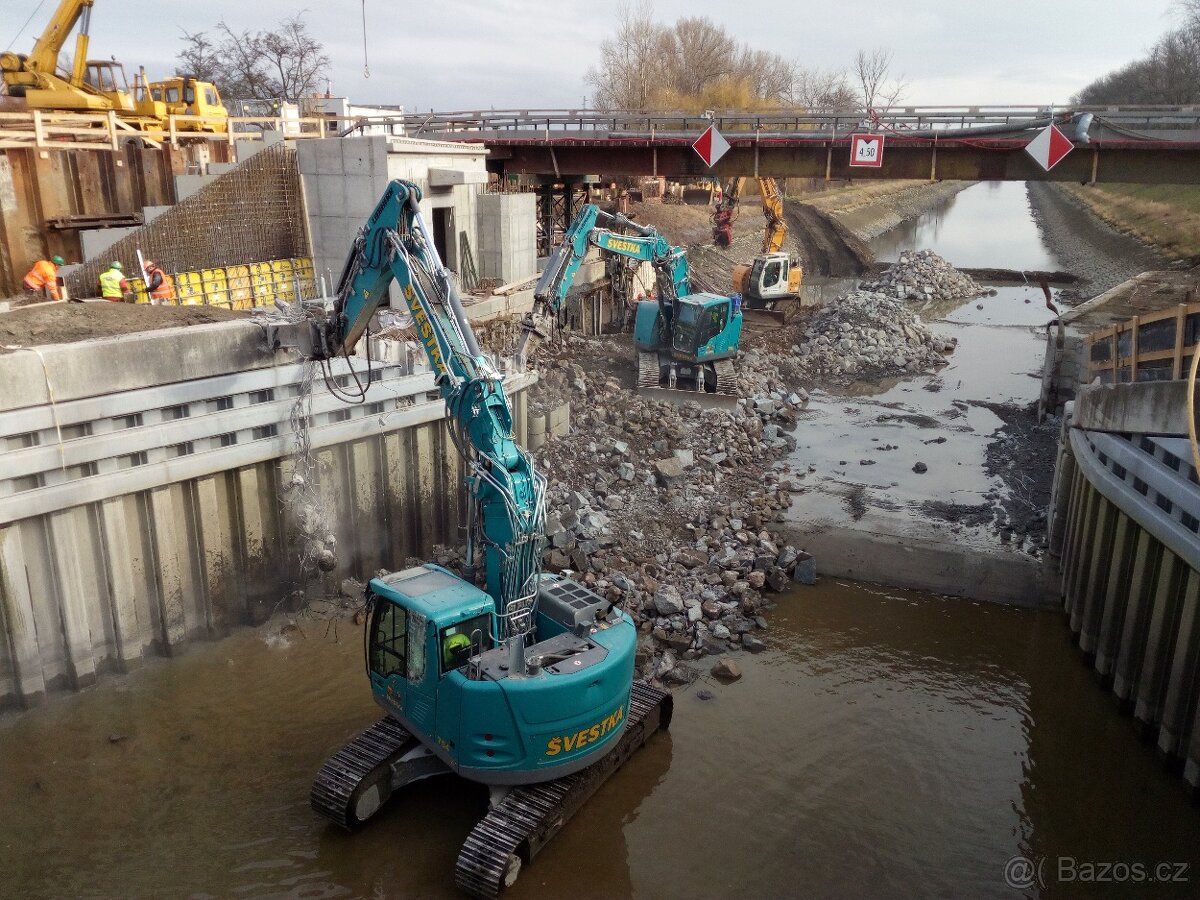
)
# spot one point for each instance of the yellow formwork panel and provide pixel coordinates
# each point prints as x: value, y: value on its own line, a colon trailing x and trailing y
x: 241, y: 289
x: 216, y: 287
x: 263, y: 280
x: 189, y: 289
x: 138, y: 286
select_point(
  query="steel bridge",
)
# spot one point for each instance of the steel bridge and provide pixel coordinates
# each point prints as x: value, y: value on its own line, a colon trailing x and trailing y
x: 977, y: 143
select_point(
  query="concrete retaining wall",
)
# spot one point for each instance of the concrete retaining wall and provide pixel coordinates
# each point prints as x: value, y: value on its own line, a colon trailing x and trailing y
x: 141, y: 509
x: 1125, y: 519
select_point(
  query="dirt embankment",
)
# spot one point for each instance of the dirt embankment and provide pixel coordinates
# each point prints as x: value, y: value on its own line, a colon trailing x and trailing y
x: 1085, y: 244
x: 1163, y: 216
x: 66, y: 323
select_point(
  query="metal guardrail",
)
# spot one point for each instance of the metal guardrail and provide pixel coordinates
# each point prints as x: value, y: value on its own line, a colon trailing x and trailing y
x: 1146, y: 348
x: 1151, y: 479
x: 585, y: 123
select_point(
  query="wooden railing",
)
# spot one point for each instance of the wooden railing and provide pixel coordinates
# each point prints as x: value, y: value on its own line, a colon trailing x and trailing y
x: 90, y: 131
x: 1156, y: 347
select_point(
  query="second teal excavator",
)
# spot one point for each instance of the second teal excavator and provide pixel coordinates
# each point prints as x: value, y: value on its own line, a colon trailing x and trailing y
x: 685, y: 340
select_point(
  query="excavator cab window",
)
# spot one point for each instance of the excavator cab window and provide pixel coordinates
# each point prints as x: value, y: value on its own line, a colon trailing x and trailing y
x: 712, y: 323
x: 388, y: 632
x: 156, y: 94
x: 189, y: 94
x: 210, y: 97
x: 772, y: 273
x: 173, y: 94
x: 462, y: 641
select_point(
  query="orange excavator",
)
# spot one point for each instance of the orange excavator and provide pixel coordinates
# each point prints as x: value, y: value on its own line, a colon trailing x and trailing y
x: 770, y: 283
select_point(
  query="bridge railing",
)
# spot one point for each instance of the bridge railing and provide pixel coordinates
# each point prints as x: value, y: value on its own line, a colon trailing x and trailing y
x: 1156, y: 347
x: 551, y: 122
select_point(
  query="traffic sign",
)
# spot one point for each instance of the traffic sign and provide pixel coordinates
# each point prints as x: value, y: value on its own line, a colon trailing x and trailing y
x: 866, y: 150
x: 1049, y: 147
x: 711, y: 146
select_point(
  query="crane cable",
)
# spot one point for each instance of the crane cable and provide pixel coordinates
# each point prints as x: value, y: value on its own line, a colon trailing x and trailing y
x: 30, y: 19
x: 366, y: 66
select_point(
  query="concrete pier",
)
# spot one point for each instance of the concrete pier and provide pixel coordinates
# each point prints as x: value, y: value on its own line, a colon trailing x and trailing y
x: 1125, y: 521
x: 140, y: 493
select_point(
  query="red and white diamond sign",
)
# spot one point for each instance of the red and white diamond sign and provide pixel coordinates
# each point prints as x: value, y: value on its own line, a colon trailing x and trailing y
x: 866, y: 150
x: 711, y: 146
x: 1049, y: 147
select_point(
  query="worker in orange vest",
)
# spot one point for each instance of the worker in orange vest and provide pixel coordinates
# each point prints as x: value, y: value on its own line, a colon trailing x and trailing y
x: 158, y: 284
x: 43, y: 278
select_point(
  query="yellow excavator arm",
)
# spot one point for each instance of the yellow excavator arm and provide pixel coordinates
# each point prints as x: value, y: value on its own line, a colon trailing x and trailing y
x: 772, y: 203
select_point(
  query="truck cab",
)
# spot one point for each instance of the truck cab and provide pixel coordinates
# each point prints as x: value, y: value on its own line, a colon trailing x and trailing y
x: 183, y: 95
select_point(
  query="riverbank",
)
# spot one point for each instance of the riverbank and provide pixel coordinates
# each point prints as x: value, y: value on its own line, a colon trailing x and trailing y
x: 868, y: 213
x: 1085, y: 242
x: 1164, y: 216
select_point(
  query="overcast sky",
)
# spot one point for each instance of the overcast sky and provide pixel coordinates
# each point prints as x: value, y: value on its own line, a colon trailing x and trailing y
x: 476, y: 54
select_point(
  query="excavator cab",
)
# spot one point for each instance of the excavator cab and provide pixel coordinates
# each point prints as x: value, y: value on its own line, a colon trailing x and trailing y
x: 770, y: 277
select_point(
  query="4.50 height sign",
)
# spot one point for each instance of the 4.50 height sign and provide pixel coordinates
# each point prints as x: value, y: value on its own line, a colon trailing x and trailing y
x: 866, y: 150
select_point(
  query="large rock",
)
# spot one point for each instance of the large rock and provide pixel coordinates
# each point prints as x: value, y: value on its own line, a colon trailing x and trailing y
x: 667, y: 601
x: 726, y: 669
x: 670, y: 472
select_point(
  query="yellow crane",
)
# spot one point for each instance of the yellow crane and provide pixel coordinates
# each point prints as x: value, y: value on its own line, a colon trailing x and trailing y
x: 771, y: 280
x: 101, y: 85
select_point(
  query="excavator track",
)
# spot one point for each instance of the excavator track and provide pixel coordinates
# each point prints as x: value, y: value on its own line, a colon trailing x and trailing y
x: 647, y: 370
x: 517, y: 827
x: 726, y: 377
x: 725, y: 396
x: 338, y: 786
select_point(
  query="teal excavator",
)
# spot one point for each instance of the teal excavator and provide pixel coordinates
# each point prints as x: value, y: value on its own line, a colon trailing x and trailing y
x: 526, y: 684
x: 685, y: 341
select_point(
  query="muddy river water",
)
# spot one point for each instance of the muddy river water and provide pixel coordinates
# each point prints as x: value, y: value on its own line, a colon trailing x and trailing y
x: 886, y: 744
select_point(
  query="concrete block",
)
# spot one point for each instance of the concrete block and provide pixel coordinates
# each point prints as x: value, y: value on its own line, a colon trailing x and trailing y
x: 186, y: 185
x: 120, y: 562
x: 95, y: 241
x: 216, y: 557
x: 75, y: 592
x: 440, y: 178
x: 218, y: 168
x: 18, y: 617
x: 360, y: 196
x: 331, y: 196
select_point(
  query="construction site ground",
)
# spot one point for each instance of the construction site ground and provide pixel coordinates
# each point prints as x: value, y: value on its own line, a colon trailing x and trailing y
x: 66, y: 323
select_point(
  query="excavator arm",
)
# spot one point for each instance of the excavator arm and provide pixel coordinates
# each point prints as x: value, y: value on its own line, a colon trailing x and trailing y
x: 508, y: 494
x: 772, y: 204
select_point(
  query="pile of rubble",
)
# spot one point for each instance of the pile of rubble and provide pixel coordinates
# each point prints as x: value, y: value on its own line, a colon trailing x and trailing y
x: 923, y: 275
x: 668, y: 510
x: 869, y: 334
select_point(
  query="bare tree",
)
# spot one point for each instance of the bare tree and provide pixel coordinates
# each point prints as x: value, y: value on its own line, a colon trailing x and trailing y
x: 694, y: 64
x: 819, y: 91
x: 200, y: 59
x: 872, y: 72
x: 285, y: 64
